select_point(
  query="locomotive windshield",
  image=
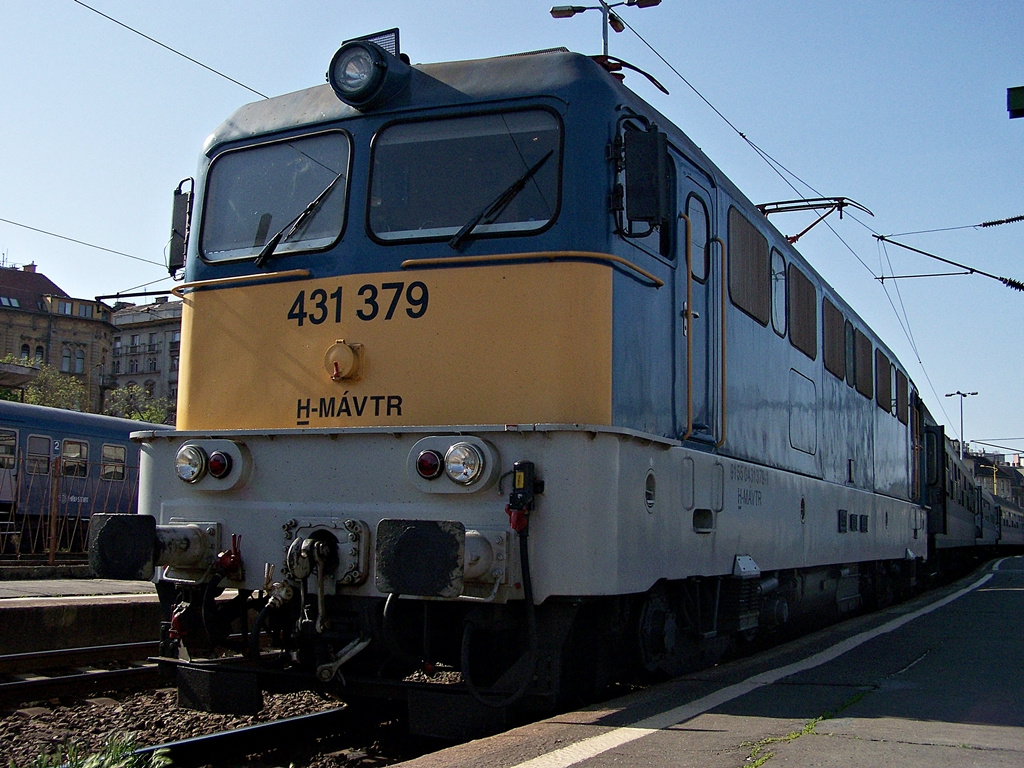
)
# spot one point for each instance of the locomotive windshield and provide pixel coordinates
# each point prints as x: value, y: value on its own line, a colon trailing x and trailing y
x: 432, y: 178
x: 256, y: 192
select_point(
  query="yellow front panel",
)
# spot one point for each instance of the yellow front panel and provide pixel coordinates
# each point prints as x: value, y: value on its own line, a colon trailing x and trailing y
x: 505, y: 344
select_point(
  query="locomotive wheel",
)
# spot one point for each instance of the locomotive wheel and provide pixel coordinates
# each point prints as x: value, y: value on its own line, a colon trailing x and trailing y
x: 666, y: 642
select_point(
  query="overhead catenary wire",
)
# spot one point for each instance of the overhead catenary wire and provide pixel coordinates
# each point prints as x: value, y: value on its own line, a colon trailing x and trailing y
x: 81, y: 242
x: 169, y: 48
x: 782, y: 172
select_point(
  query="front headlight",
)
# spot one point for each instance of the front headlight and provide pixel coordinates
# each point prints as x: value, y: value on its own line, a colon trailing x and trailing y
x: 464, y: 463
x: 190, y: 463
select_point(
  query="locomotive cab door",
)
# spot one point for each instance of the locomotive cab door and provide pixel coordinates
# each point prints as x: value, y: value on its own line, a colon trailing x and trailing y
x: 697, y: 317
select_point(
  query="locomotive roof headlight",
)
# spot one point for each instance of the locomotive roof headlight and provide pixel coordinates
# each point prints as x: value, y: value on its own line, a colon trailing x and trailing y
x: 464, y: 463
x: 191, y: 463
x: 363, y: 74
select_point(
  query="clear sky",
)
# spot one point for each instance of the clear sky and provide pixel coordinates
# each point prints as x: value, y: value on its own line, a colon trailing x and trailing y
x: 897, y: 104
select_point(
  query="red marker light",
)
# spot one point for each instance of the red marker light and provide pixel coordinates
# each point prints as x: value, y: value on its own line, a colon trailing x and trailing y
x: 219, y: 464
x: 428, y: 464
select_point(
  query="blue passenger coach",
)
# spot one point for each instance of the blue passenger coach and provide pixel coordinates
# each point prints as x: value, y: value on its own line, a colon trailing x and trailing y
x: 58, y: 468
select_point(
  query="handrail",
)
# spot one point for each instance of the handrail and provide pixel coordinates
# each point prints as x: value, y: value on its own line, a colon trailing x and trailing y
x: 458, y: 260
x: 687, y: 326
x: 198, y: 285
x: 722, y: 364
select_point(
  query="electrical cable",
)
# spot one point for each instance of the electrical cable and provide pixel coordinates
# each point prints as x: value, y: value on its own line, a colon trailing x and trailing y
x: 169, y: 48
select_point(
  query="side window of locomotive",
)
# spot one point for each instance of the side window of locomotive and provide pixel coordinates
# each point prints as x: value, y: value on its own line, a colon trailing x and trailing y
x: 8, y: 448
x: 749, y: 273
x: 803, y: 303
x: 75, y: 458
x: 864, y: 379
x: 779, y: 293
x: 256, y: 192
x: 833, y: 333
x: 884, y: 380
x: 902, y: 396
x: 698, y: 215
x: 495, y: 174
x: 37, y: 458
x: 112, y: 466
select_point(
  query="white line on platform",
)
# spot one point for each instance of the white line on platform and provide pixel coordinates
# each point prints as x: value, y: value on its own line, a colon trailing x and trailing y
x: 595, y: 745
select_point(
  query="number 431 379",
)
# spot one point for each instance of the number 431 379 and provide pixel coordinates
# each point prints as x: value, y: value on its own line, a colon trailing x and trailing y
x: 318, y: 306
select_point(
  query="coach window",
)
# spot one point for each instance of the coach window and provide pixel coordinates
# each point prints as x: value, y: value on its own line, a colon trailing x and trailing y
x: 8, y: 448
x: 883, y: 382
x: 37, y: 459
x: 698, y: 215
x: 779, y: 294
x: 803, y: 303
x: 749, y: 272
x: 833, y: 334
x: 255, y: 192
x: 75, y: 458
x: 460, y: 178
x: 112, y: 467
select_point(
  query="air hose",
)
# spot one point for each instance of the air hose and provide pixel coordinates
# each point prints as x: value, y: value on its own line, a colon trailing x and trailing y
x: 531, y: 628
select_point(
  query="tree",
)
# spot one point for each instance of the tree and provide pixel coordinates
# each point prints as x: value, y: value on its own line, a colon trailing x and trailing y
x: 134, y: 402
x: 57, y: 390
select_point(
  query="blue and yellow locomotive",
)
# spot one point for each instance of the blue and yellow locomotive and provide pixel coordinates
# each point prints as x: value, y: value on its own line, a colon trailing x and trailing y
x: 432, y: 309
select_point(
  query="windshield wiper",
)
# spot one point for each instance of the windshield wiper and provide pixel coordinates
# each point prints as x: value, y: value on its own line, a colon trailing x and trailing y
x: 494, y: 209
x: 292, y: 226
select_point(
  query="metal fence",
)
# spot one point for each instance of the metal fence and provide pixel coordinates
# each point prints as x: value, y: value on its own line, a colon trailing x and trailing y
x: 45, y: 508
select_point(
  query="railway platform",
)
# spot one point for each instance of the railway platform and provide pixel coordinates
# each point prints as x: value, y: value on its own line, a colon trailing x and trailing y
x: 49, y: 614
x: 936, y: 681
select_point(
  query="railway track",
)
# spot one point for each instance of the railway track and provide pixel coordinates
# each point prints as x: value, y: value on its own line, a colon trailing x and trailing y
x: 76, y: 672
x: 225, y: 746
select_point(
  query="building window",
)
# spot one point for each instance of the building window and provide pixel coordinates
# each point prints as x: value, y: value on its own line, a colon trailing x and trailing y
x: 117, y: 367
x: 151, y: 364
x: 39, y: 354
x: 149, y: 386
x: 174, y: 363
x: 25, y: 352
x: 65, y: 360
x: 133, y: 366
x: 117, y: 345
x: 7, y: 302
x: 79, y: 361
x: 85, y: 310
x: 63, y: 307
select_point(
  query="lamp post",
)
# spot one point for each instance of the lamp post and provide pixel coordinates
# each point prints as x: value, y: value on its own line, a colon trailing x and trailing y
x: 962, y: 396
x: 609, y: 18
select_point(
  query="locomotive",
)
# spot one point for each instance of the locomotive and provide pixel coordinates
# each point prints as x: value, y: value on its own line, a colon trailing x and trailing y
x: 486, y: 369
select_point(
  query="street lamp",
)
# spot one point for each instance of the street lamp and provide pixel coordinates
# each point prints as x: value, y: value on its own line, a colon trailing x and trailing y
x: 610, y: 19
x: 962, y: 396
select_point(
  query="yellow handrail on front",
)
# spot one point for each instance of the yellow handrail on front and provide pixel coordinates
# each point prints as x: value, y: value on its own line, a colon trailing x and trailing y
x: 179, y: 290
x: 550, y: 256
